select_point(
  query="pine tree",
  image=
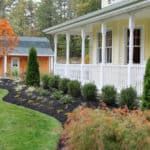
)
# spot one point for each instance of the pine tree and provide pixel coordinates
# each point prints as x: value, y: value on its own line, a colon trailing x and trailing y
x: 146, y: 91
x: 33, y: 74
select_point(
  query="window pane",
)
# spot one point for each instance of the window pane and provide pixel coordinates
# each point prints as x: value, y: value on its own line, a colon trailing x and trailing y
x: 109, y: 47
x: 99, y: 40
x: 99, y: 55
x: 109, y: 39
x: 136, y: 55
x: 15, y: 63
x: 109, y: 55
x: 137, y: 37
x: 137, y: 46
x: 108, y: 51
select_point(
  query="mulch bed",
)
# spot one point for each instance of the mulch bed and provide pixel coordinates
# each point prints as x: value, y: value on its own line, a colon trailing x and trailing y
x: 44, y: 104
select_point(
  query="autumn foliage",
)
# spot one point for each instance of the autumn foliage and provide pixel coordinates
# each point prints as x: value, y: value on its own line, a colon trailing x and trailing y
x: 118, y: 129
x: 8, y: 38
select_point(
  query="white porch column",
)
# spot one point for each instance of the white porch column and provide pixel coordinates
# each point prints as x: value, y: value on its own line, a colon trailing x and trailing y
x: 55, y: 51
x: 83, y: 36
x: 103, y: 31
x: 51, y: 64
x: 67, y: 53
x: 5, y: 66
x: 131, y: 46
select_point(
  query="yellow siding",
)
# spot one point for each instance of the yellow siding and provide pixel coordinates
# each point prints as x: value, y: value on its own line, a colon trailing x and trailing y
x: 118, y: 30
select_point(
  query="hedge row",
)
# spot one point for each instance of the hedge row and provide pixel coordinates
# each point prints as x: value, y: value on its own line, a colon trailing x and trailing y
x: 109, y: 95
x: 74, y: 88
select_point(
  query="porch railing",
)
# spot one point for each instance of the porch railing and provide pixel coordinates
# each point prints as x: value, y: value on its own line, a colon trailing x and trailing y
x: 107, y: 74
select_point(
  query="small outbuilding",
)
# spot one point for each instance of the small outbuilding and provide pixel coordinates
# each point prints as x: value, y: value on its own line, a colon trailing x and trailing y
x: 18, y: 58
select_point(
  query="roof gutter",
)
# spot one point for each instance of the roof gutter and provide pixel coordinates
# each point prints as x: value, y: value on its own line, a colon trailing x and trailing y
x: 100, y: 15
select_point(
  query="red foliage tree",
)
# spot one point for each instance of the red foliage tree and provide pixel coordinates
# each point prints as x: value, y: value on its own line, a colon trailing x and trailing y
x: 8, y: 41
x: 8, y: 38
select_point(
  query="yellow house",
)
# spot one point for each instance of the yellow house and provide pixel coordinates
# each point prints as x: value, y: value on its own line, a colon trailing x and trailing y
x: 119, y: 44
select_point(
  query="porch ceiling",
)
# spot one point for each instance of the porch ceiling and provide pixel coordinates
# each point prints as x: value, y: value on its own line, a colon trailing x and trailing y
x: 141, y: 8
x: 144, y: 13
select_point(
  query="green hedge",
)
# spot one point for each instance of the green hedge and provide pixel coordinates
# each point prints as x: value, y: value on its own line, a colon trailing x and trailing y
x: 89, y: 92
x: 74, y: 88
x: 128, y: 97
x: 109, y: 95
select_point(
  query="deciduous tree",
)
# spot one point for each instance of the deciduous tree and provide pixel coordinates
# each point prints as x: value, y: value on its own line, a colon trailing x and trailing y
x: 8, y: 41
x: 5, y: 6
x: 82, y: 7
x: 8, y: 38
x: 22, y: 17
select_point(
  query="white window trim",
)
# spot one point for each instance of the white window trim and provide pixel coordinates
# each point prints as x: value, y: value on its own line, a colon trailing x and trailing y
x: 18, y: 60
x: 141, y: 27
x: 98, y: 48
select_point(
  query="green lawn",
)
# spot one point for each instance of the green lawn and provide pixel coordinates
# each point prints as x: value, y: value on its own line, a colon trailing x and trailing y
x: 24, y: 129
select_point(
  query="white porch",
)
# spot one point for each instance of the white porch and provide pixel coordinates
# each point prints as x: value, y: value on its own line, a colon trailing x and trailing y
x: 124, y: 69
x: 106, y: 74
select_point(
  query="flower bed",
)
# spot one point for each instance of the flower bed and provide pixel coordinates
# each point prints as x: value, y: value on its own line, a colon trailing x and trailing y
x: 51, y: 102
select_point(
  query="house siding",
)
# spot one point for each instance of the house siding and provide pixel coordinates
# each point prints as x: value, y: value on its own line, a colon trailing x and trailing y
x: 118, y: 44
x: 44, y: 64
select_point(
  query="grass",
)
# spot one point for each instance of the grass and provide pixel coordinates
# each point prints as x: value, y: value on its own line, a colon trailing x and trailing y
x: 24, y: 129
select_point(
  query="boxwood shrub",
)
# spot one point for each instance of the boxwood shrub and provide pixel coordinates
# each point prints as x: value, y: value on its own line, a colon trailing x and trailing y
x: 89, y: 91
x: 128, y: 97
x: 63, y: 85
x: 74, y: 88
x: 45, y: 81
x: 109, y: 95
x: 54, y: 82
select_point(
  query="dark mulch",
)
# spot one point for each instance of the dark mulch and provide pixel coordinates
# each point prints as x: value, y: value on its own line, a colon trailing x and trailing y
x: 44, y: 104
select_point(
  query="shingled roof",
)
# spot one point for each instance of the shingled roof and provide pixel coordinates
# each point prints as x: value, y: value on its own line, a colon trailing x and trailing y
x: 41, y: 44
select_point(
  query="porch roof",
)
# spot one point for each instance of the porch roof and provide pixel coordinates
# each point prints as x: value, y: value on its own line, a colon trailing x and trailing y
x: 100, y: 15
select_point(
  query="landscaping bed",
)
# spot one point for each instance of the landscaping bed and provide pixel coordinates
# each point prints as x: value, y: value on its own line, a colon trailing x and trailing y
x: 41, y: 100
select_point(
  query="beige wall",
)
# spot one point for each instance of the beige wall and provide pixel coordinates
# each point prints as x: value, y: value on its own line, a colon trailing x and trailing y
x: 118, y: 47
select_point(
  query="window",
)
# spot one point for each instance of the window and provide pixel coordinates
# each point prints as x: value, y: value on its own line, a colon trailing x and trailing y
x: 15, y: 63
x: 109, y: 47
x: 108, y: 52
x: 99, y: 47
x: 137, y: 46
